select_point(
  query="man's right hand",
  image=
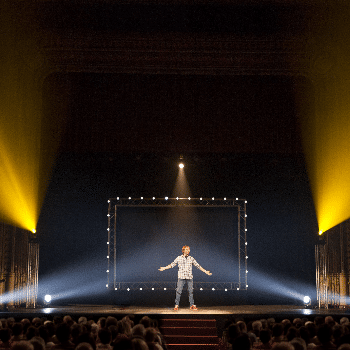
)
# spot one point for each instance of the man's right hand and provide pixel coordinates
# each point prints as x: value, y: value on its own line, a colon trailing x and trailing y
x: 162, y: 269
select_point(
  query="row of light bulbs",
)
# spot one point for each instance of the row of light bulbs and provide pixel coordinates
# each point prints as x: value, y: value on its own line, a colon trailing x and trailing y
x: 128, y: 289
x: 177, y: 198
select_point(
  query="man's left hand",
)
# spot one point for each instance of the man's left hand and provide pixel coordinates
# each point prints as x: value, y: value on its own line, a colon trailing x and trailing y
x: 208, y: 273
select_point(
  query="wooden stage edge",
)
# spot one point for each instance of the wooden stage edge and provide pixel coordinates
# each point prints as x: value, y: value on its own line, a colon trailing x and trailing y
x: 243, y: 311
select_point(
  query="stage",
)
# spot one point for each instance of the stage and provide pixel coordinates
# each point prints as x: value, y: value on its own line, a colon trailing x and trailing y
x: 236, y: 311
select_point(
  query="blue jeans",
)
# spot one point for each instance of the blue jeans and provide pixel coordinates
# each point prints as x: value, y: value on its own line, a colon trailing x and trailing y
x: 180, y: 285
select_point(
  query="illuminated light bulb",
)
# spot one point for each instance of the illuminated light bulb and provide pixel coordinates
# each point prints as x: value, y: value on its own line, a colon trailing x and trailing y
x: 107, y: 271
x: 213, y: 198
x: 236, y: 199
x: 128, y: 289
x: 246, y: 230
x: 181, y: 165
x: 129, y: 197
x: 153, y: 198
x: 201, y: 198
x: 246, y: 257
x: 213, y: 289
x: 115, y: 288
x: 141, y: 197
x: 225, y: 289
x: 117, y: 198
x: 237, y: 288
x: 200, y: 288
x: 166, y: 198
x: 33, y: 230
x: 108, y: 229
x: 164, y: 288
x: 107, y: 256
x: 189, y: 198
x: 246, y: 243
x: 48, y: 298
x: 108, y: 201
x: 140, y: 288
x: 107, y: 242
x: 224, y: 198
x: 152, y: 288
x: 108, y: 215
x: 320, y: 233
x: 246, y: 202
x: 177, y: 198
x: 246, y: 285
x: 245, y: 215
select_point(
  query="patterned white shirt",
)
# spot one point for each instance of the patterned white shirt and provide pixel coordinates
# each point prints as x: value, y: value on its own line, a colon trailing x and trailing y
x: 185, y: 266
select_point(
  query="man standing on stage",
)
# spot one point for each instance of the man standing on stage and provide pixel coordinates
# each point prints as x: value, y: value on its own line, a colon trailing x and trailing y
x: 185, y: 263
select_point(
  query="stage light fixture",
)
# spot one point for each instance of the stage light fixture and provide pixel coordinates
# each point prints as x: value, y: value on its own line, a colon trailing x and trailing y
x: 246, y: 257
x: 212, y: 198
x: 246, y: 202
x: 140, y: 288
x: 164, y: 288
x: 47, y: 298
x: 200, y: 288
x: 107, y: 285
x: 177, y: 198
x: 153, y: 198
x: 320, y: 233
x: 34, y: 230
x: 237, y: 288
x: 107, y: 256
x: 213, y: 289
x: 246, y: 285
x: 225, y: 289
x: 107, y: 271
x: 107, y: 242
x: 307, y: 300
x: 141, y: 198
x: 128, y: 289
x: 166, y: 198
x: 189, y: 198
x: 201, y: 198
x: 117, y: 198
x: 108, y: 201
x: 224, y: 198
x: 108, y: 215
x: 152, y: 288
x: 115, y: 288
x: 129, y: 198
x: 246, y: 243
x: 181, y: 165
x: 236, y: 199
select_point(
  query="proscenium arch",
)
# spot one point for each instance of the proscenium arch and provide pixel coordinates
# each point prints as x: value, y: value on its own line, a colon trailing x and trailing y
x: 115, y: 203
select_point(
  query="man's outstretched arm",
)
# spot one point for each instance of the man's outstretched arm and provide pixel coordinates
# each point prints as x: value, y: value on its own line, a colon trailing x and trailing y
x: 166, y: 267
x: 205, y: 271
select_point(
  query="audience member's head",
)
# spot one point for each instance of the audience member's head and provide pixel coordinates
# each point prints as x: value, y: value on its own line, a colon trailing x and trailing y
x: 38, y: 343
x: 242, y: 342
x: 283, y: 345
x: 22, y: 345
x: 84, y: 346
x: 299, y: 344
x: 324, y: 333
x: 105, y: 336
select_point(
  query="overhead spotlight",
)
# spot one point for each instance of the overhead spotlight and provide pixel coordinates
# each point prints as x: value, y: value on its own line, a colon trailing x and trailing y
x: 320, y: 233
x: 33, y: 230
x: 47, y: 299
x: 181, y: 165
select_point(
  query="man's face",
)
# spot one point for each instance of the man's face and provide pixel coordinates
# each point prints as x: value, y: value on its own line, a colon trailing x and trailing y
x: 186, y: 251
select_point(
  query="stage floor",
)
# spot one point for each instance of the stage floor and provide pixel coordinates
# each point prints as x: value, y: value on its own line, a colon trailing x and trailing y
x: 236, y: 310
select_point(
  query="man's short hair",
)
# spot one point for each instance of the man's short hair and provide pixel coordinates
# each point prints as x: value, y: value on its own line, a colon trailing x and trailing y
x: 184, y: 247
